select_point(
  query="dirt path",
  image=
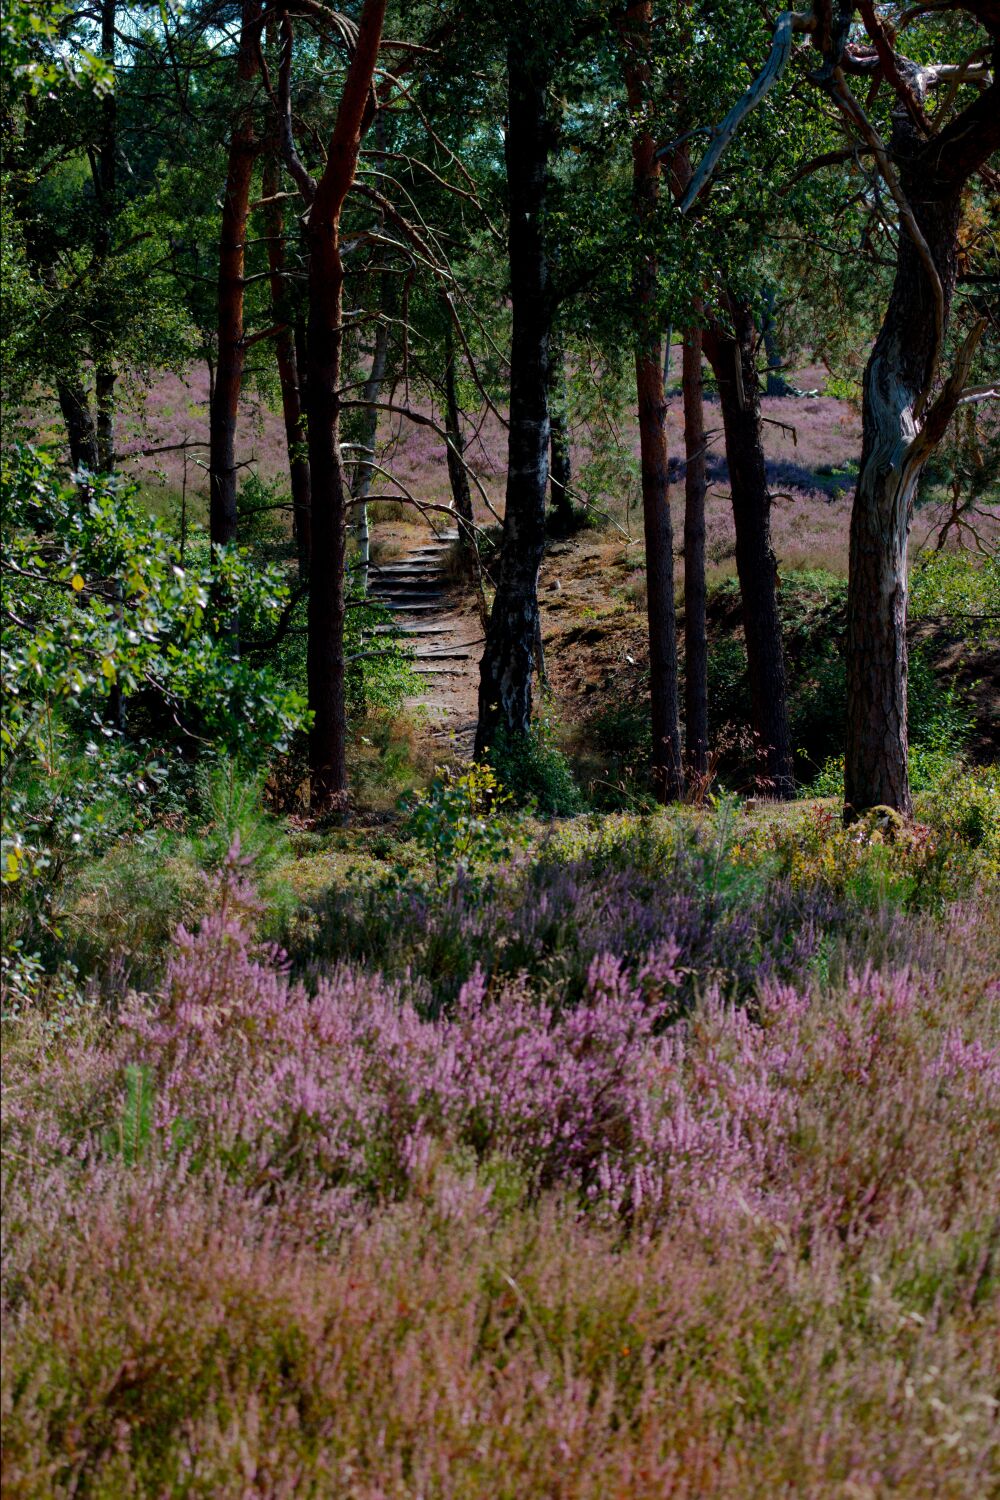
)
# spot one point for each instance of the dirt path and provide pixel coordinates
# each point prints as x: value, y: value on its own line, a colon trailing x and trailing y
x: 446, y: 636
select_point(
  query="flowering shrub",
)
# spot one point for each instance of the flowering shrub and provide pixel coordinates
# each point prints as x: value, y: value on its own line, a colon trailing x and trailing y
x: 550, y: 917
x: 266, y: 1240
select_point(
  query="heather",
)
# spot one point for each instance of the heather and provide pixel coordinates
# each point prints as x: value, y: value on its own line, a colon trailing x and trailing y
x: 689, y: 1192
x: 499, y: 798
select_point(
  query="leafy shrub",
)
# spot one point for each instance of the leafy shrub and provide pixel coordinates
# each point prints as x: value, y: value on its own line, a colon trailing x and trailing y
x: 536, y: 771
x: 882, y: 859
x: 462, y: 821
x: 97, y: 599
x: 959, y: 588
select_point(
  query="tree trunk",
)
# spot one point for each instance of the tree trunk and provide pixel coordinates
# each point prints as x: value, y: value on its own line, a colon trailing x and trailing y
x: 561, y: 472
x: 288, y: 370
x: 231, y: 352
x: 331, y: 498
x: 733, y: 357
x: 80, y: 429
x: 898, y: 369
x: 695, y: 635
x: 776, y: 385
x: 361, y: 487
x: 331, y: 495
x: 667, y: 774
x: 508, y: 659
x: 104, y: 169
x: 461, y: 494
x: 104, y: 391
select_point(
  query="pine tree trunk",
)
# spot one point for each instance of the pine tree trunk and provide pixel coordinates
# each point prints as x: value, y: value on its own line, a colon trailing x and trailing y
x: 733, y: 356
x: 667, y: 774
x: 225, y: 401
x: 695, y: 634
x: 288, y: 369
x: 331, y: 494
x: 508, y: 660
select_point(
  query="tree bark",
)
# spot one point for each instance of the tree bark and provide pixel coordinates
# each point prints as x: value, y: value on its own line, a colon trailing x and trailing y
x: 733, y: 356
x: 667, y: 773
x: 898, y: 437
x: 81, y: 431
x: 104, y: 167
x: 561, y: 472
x: 331, y: 495
x: 288, y: 369
x: 361, y: 487
x: 104, y: 396
x: 695, y: 634
x: 243, y: 148
x: 508, y: 660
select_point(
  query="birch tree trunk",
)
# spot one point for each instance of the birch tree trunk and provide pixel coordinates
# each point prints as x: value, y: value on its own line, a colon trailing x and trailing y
x: 361, y: 488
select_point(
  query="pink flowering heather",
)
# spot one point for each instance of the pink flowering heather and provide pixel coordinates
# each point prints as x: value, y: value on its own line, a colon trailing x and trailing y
x: 263, y: 1240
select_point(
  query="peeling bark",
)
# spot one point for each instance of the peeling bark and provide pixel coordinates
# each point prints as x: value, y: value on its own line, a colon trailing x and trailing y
x: 899, y: 369
x: 508, y: 662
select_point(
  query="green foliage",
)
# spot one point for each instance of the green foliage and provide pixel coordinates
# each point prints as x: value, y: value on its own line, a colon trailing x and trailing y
x: 463, y: 821
x: 96, y: 599
x: 131, y: 1137
x: 960, y: 589
x: 33, y: 38
x: 231, y: 806
x: 618, y: 736
x: 536, y: 770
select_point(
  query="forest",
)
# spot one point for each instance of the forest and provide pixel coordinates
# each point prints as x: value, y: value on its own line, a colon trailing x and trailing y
x: 500, y: 749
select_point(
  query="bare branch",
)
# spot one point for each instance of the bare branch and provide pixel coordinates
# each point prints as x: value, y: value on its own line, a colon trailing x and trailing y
x: 788, y: 23
x: 422, y: 420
